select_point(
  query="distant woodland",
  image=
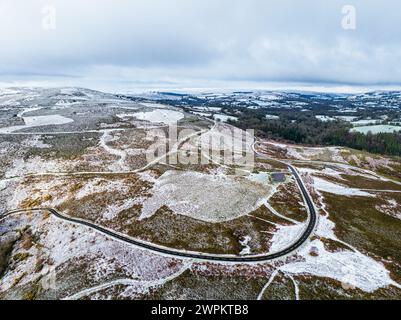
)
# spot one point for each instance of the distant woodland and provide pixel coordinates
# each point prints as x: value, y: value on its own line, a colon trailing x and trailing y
x: 297, y: 127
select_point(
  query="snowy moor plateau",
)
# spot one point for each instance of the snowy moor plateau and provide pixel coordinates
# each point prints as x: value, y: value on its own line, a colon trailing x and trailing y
x: 84, y: 214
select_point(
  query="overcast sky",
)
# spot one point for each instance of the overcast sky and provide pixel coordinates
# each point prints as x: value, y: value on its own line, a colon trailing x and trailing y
x: 124, y: 45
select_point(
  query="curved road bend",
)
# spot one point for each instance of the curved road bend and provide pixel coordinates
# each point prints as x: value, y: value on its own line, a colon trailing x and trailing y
x: 199, y: 256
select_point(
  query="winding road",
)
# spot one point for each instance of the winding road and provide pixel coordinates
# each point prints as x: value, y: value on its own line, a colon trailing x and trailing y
x: 193, y: 255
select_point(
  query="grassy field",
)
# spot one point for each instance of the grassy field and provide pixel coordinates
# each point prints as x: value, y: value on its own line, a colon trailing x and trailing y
x: 360, y: 224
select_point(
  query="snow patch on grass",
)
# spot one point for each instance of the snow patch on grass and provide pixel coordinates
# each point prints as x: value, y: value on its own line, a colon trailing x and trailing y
x: 284, y: 236
x: 165, y: 116
x: 34, y: 165
x: 119, y: 165
x: 349, y: 267
x: 326, y: 186
x: 38, y: 121
x: 212, y: 198
x: 113, y: 210
x: 98, y: 185
x: 245, y: 243
x: 65, y: 244
x: 224, y: 117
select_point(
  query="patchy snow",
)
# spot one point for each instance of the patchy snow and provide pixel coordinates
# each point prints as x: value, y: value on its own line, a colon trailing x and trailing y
x: 113, y: 210
x: 346, y: 118
x: 225, y: 198
x: 213, y: 197
x: 155, y: 105
x: 165, y: 116
x: 34, y: 165
x: 349, y: 266
x: 124, y: 116
x: 225, y: 137
x: 65, y: 244
x: 224, y: 118
x: 208, y: 109
x: 296, y: 287
x: 299, y: 153
x: 285, y: 235
x: 260, y: 177
x: 377, y: 129
x: 324, y: 118
x: 99, y: 185
x: 325, y: 228
x: 272, y: 276
x: 245, y: 243
x: 391, y: 207
x: 148, y: 176
x: 278, y: 144
x: 326, y: 186
x: 26, y: 110
x: 120, y: 164
x: 366, y: 122
x: 344, y: 169
x: 304, y: 153
x: 202, y: 114
x: 38, y: 121
x: 352, y: 268
x: 309, y: 153
x: 133, y: 286
x: 35, y: 142
x: 215, y: 109
x: 326, y: 171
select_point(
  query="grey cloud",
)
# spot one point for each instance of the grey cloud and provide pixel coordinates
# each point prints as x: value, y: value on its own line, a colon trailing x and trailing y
x: 181, y: 41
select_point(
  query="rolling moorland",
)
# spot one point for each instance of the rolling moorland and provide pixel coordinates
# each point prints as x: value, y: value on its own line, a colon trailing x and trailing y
x: 85, y: 215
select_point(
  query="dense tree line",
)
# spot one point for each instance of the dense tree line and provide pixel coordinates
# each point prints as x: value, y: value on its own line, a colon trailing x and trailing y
x: 382, y: 143
x: 304, y: 128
